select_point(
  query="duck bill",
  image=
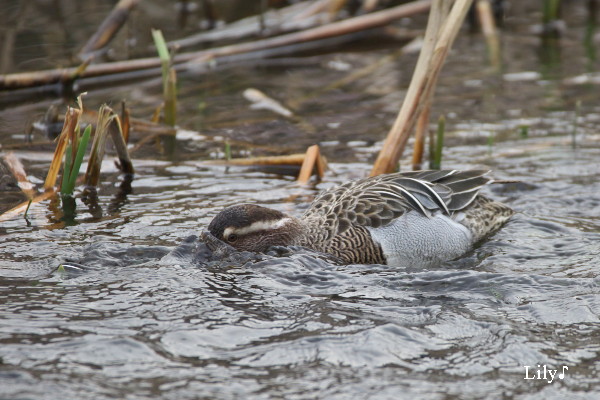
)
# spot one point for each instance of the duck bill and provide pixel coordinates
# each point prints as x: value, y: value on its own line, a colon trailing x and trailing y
x: 215, y: 245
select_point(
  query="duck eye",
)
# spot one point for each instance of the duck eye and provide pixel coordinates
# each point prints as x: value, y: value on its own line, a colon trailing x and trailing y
x: 232, y: 238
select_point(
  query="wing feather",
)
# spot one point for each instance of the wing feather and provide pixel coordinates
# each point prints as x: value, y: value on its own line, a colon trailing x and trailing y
x: 376, y: 201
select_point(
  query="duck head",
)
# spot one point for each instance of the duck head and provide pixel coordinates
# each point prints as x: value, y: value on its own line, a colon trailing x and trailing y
x: 248, y: 227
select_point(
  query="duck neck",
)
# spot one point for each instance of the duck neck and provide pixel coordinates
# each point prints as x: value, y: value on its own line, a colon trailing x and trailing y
x: 293, y: 231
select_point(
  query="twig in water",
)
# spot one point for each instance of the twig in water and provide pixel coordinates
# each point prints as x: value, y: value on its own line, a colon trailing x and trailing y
x: 261, y: 101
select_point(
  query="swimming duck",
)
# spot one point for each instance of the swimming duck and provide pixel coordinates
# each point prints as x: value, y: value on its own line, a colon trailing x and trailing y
x: 402, y: 219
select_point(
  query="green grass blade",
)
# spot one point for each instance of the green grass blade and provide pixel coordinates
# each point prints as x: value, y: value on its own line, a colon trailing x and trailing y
x: 85, y: 138
x: 66, y: 171
x: 163, y: 52
x: 439, y: 143
x: 227, y: 150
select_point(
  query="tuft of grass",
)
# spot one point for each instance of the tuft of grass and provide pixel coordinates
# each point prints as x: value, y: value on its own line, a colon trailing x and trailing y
x: 524, y: 131
x: 73, y: 160
x: 227, y: 150
x: 71, y: 148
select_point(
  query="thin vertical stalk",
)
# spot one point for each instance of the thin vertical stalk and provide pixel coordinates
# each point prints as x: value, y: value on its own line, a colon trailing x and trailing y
x: 66, y: 176
x: 422, y: 126
x: 439, y: 11
x: 488, y: 28
x: 439, y: 143
x: 169, y: 78
x: 81, y: 148
x: 420, y: 88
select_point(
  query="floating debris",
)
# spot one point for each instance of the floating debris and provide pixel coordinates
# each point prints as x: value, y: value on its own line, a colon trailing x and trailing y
x: 261, y: 101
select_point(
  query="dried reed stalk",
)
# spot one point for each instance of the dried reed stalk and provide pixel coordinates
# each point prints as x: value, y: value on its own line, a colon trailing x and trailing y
x: 421, y: 87
x: 108, y: 28
x: 488, y: 28
x: 312, y: 160
x: 438, y: 13
x: 92, y: 174
x: 70, y: 125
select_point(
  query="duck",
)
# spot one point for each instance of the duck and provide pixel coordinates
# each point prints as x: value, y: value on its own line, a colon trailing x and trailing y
x: 416, y: 218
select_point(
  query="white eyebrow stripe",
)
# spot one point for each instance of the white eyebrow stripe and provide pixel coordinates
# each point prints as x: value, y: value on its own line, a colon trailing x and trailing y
x: 256, y: 226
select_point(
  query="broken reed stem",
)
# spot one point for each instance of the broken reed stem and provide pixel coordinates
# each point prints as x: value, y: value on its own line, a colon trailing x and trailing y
x: 308, y: 165
x: 92, y: 174
x: 289, y: 159
x: 71, y: 122
x: 488, y: 28
x: 439, y: 11
x: 421, y: 87
x: 350, y: 25
x: 312, y: 161
x: 118, y: 138
x: 125, y: 122
x: 108, y: 28
x: 250, y: 26
x: 422, y: 128
x: 170, y: 95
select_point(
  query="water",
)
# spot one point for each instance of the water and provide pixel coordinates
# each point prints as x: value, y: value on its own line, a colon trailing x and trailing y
x: 138, y: 324
x: 142, y: 311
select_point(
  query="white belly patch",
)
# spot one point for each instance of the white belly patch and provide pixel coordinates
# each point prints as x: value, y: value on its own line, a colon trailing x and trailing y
x: 414, y: 240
